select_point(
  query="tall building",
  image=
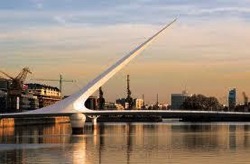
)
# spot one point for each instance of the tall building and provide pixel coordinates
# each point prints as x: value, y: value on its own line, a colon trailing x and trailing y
x: 177, y: 99
x: 232, y: 98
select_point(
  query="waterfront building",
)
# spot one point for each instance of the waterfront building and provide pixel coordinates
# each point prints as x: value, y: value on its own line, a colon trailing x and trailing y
x: 121, y: 101
x: 91, y: 102
x: 29, y: 102
x: 138, y: 103
x: 43, y: 90
x: 46, y: 94
x: 119, y: 107
x: 232, y: 99
x: 113, y: 106
x: 24, y: 102
x: 4, y: 84
x: 3, y: 101
x: 177, y: 99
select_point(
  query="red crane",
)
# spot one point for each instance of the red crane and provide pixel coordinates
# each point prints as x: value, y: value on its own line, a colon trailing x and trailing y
x: 15, y: 88
x: 18, y: 81
x: 245, y: 98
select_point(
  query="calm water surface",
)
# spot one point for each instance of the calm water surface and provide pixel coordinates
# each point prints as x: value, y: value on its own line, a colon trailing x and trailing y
x: 145, y: 143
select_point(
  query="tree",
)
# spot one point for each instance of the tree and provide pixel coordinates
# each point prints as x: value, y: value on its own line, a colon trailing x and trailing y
x: 201, y: 102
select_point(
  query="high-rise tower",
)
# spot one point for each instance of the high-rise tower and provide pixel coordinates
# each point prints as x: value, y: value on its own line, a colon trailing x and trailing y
x: 232, y: 99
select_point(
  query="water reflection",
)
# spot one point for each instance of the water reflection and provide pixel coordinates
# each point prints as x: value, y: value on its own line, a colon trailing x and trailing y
x: 171, y: 142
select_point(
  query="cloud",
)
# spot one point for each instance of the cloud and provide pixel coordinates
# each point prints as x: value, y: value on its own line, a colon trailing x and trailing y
x: 109, y: 12
x: 39, y: 6
x: 223, y: 11
x: 60, y: 20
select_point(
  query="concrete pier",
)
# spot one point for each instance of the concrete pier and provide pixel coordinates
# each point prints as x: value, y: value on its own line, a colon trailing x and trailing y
x: 77, y: 122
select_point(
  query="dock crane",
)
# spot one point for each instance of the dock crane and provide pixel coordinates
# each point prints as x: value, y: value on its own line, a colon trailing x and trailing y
x: 61, y: 80
x: 15, y: 88
x: 18, y: 81
x: 245, y: 98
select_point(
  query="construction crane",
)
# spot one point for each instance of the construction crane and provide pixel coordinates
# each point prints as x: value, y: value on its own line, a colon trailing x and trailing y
x: 18, y: 81
x: 245, y: 98
x: 61, y: 80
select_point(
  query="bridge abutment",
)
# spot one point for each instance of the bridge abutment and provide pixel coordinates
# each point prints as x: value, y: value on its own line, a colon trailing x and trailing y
x: 77, y: 121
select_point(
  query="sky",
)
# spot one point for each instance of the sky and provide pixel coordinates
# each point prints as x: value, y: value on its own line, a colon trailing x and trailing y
x: 205, y: 52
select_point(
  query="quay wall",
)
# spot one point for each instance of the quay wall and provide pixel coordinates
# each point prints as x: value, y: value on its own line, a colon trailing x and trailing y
x: 10, y: 122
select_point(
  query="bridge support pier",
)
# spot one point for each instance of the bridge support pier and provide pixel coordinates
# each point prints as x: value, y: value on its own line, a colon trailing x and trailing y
x: 94, y: 119
x: 77, y: 121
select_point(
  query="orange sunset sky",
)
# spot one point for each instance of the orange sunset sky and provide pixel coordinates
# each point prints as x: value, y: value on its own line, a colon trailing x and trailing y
x: 206, y: 51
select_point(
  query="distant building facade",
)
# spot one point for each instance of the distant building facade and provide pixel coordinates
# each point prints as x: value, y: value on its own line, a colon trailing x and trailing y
x: 91, y: 103
x: 43, y: 90
x: 119, y: 107
x: 4, y: 84
x: 138, y: 103
x: 232, y: 98
x: 47, y: 95
x: 177, y: 99
x: 3, y: 101
x: 29, y: 102
x: 121, y: 101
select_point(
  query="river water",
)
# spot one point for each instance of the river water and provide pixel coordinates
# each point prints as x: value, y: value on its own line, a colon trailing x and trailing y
x: 127, y: 143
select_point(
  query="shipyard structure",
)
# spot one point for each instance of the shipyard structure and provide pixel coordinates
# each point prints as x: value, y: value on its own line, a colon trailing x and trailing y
x: 17, y: 96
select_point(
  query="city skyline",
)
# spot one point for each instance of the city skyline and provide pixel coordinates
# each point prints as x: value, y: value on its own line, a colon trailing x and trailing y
x: 206, y: 51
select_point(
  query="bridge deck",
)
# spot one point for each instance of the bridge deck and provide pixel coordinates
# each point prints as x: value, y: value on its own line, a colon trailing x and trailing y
x: 185, y: 115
